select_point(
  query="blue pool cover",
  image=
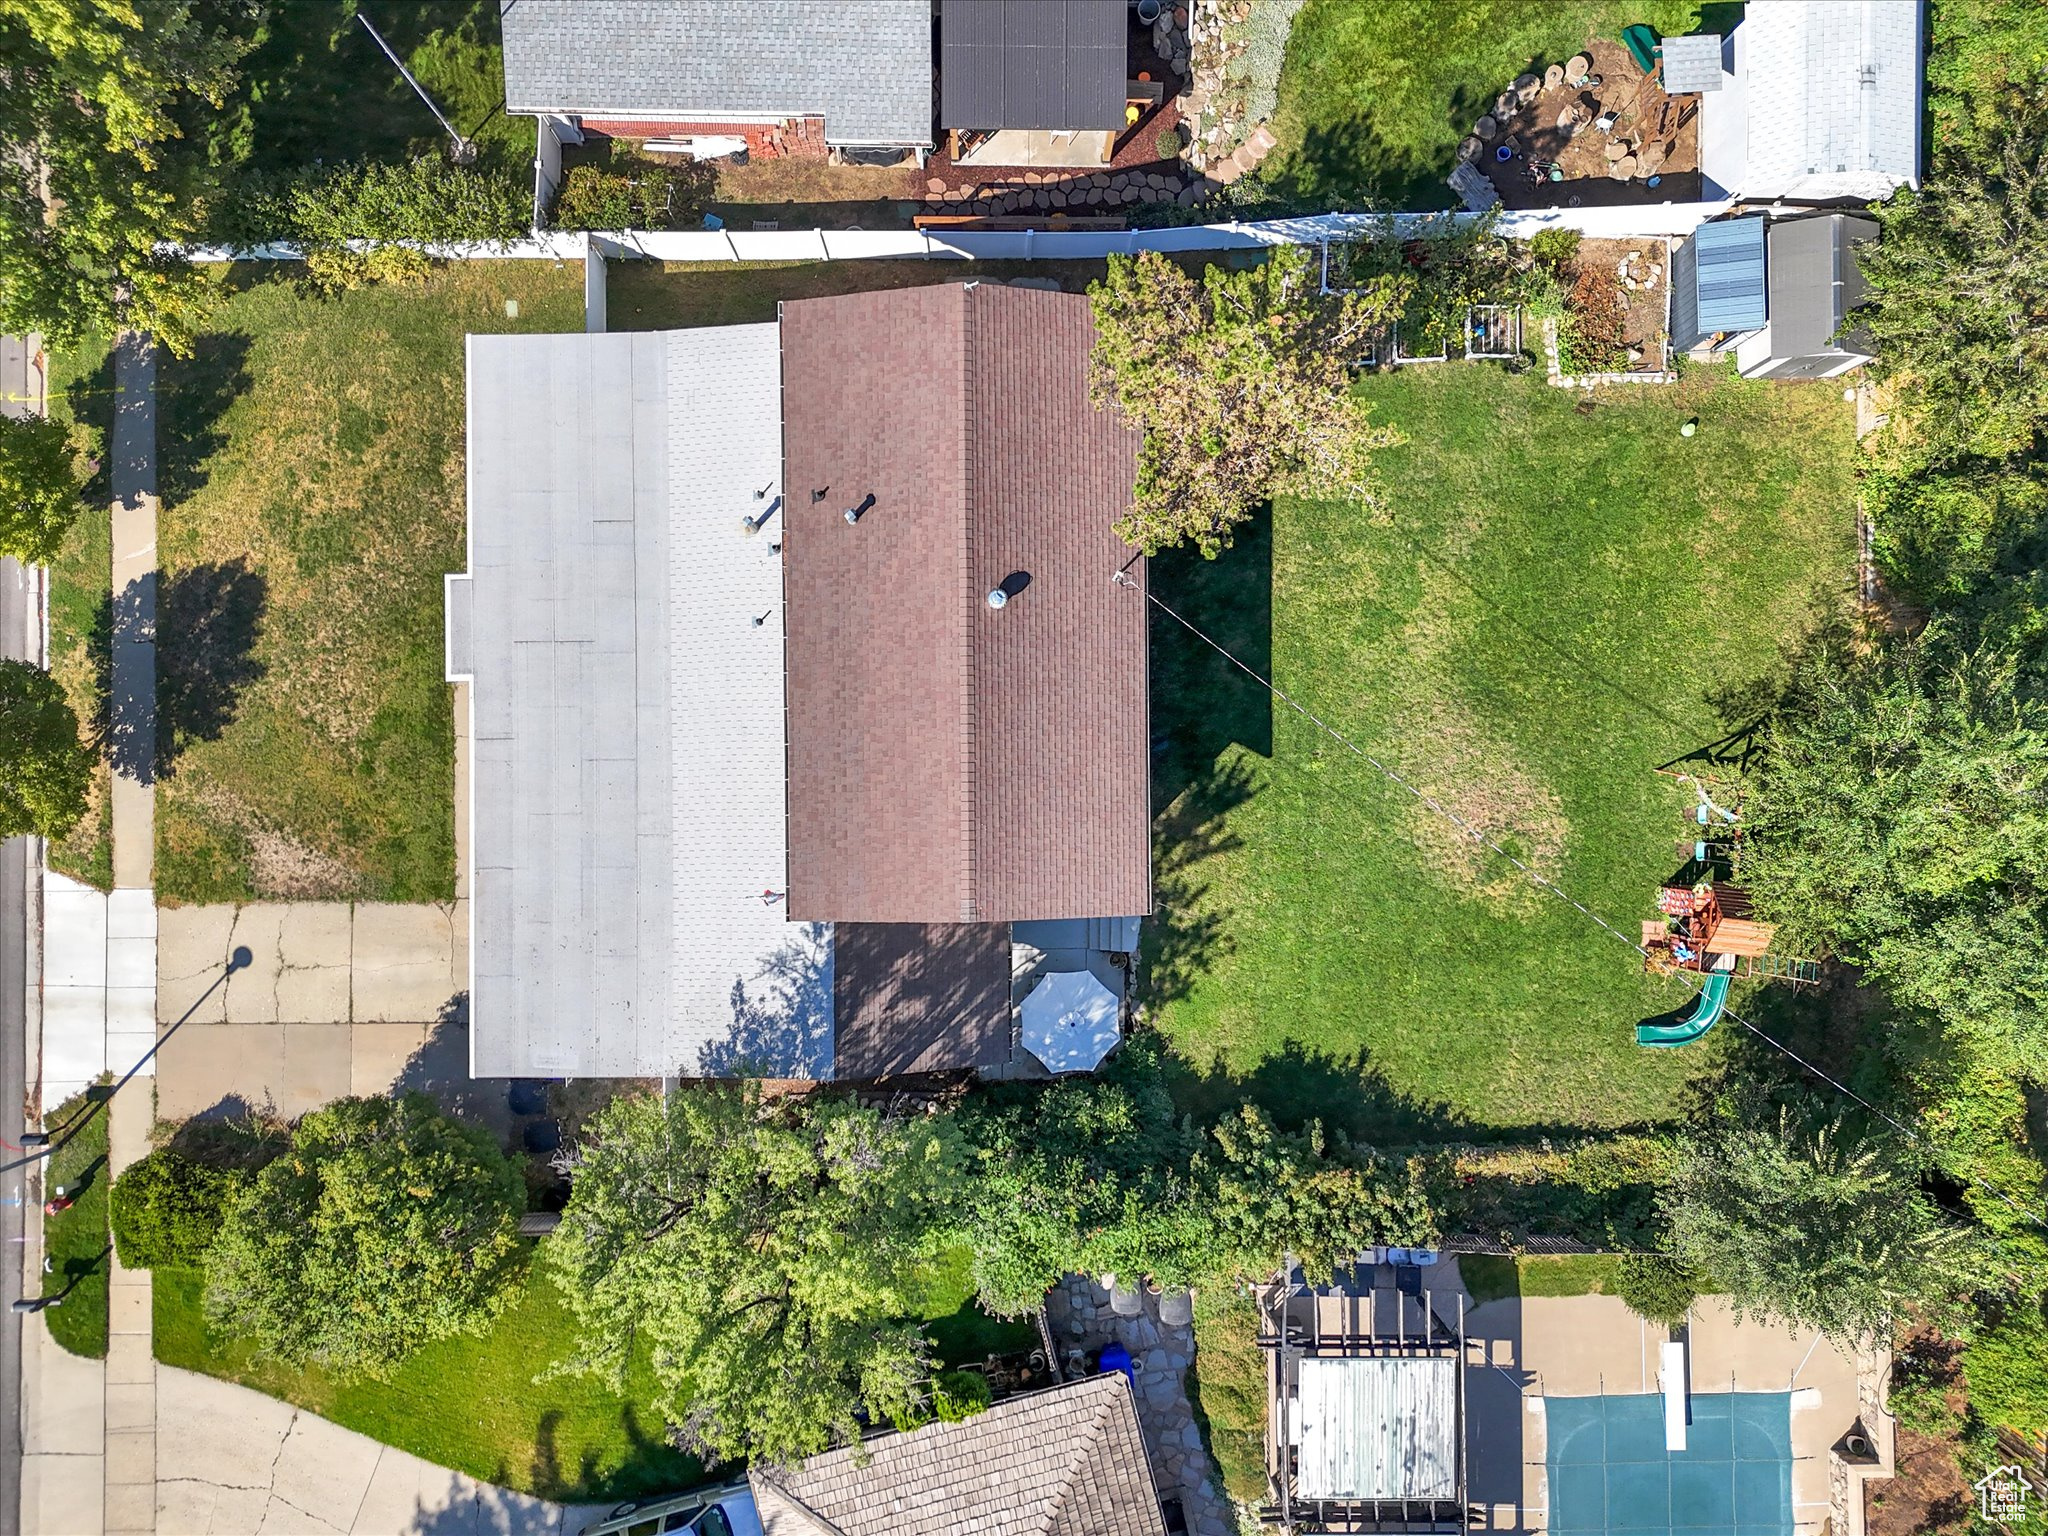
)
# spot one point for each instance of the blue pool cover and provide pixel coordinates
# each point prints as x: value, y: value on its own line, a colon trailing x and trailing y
x: 1609, y: 1471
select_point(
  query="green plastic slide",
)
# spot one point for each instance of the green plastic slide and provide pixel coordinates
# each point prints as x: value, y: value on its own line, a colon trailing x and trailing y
x: 1706, y: 1010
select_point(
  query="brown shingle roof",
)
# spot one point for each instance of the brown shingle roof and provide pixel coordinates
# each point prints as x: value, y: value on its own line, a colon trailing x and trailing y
x: 919, y: 997
x: 1065, y: 1462
x: 949, y: 762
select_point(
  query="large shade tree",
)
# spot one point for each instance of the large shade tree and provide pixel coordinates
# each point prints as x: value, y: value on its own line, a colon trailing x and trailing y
x: 1899, y: 816
x: 763, y: 1256
x: 38, y: 488
x: 1241, y: 383
x: 1817, y: 1228
x: 386, y: 1225
x: 111, y: 142
x: 45, y: 769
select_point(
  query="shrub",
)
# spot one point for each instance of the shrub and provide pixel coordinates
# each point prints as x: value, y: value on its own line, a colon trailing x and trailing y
x: 384, y: 1227
x: 38, y: 488
x: 958, y: 1395
x: 167, y: 1208
x: 2006, y: 1367
x: 1656, y: 1287
x: 1168, y: 145
x: 1554, y: 248
x: 1590, y: 339
x: 632, y: 194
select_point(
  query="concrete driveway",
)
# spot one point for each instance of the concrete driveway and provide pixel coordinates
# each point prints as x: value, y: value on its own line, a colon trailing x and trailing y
x: 232, y: 1462
x: 340, y: 998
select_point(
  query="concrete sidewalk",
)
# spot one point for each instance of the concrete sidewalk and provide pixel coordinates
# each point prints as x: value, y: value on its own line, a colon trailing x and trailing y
x: 232, y: 1462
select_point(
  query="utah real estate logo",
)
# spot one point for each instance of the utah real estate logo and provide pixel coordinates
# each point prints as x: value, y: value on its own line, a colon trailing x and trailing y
x: 2002, y: 1495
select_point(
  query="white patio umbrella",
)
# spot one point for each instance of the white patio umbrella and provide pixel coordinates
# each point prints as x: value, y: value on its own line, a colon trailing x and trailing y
x: 1070, y: 1021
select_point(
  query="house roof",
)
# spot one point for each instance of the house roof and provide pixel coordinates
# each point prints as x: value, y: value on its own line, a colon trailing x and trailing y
x: 918, y: 997
x: 1033, y: 63
x: 1815, y: 282
x: 624, y: 650
x: 1833, y: 98
x: 950, y: 762
x: 1718, y: 280
x: 866, y: 67
x: 1069, y: 1461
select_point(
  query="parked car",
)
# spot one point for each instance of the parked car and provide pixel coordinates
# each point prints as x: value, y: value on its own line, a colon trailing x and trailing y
x: 727, y: 1510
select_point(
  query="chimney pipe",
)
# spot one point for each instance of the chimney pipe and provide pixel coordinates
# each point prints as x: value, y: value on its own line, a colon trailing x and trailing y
x: 854, y: 514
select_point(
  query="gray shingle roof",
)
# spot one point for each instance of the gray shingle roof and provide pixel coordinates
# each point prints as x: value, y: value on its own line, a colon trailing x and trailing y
x: 865, y: 65
x: 1065, y: 1462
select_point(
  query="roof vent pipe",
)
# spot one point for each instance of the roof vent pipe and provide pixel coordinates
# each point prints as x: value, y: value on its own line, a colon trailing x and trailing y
x: 1015, y: 582
x: 854, y: 514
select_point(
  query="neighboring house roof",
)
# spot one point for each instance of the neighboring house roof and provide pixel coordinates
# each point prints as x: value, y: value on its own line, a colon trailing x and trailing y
x: 916, y: 997
x: 950, y: 762
x: 866, y: 67
x: 1815, y: 282
x: 1033, y: 63
x: 1069, y: 1461
x: 1717, y: 279
x: 625, y: 653
x: 1833, y: 98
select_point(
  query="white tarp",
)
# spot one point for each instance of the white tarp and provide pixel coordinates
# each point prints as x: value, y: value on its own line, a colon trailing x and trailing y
x: 1377, y: 1428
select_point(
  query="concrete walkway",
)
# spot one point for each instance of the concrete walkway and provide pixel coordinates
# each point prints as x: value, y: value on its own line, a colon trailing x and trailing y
x: 232, y: 1462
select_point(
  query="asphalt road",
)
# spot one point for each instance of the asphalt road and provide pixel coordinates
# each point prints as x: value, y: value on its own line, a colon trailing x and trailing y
x: 20, y: 640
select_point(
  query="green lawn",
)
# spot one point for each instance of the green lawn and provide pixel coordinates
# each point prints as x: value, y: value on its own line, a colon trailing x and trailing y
x: 79, y: 594
x: 1540, y: 619
x: 75, y: 1240
x: 474, y: 1403
x: 468, y: 1403
x: 1490, y: 1277
x: 1374, y: 97
x: 311, y: 470
x: 317, y: 88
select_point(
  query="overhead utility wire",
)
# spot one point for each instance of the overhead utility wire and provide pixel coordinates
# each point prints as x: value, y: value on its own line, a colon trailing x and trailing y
x: 1478, y: 836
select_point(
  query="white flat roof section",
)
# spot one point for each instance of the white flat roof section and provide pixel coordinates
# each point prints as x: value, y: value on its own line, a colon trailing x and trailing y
x: 1378, y: 1427
x: 1833, y: 98
x: 627, y: 790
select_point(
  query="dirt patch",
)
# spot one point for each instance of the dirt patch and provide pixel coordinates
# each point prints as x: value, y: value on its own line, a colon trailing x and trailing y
x: 1478, y: 780
x: 1655, y: 134
x: 1619, y: 297
x: 281, y: 868
x: 1927, y: 1493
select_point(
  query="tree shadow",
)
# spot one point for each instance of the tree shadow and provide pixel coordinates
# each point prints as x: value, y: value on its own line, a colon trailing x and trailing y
x: 781, y: 1017
x: 1300, y: 1083
x: 1186, y: 936
x: 1201, y: 703
x: 200, y: 627
x: 439, y: 1068
x: 193, y: 394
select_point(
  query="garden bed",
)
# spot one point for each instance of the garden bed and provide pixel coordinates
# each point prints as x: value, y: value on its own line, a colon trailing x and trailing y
x: 1616, y: 309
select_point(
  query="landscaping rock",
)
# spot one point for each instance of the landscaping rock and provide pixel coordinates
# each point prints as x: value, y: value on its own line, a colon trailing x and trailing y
x: 935, y: 185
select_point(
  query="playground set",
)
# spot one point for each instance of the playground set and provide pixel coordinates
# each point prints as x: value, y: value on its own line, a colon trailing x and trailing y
x: 1705, y: 926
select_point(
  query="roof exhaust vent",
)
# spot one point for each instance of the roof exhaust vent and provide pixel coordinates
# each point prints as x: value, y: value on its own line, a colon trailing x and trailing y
x: 1015, y: 582
x: 855, y: 514
x: 753, y: 525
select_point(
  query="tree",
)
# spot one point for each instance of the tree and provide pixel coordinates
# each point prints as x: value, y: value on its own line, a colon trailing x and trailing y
x: 1900, y: 816
x: 385, y: 1226
x: 38, y: 488
x: 112, y: 131
x: 1957, y: 295
x: 45, y: 770
x: 1242, y: 387
x: 1815, y: 1228
x: 762, y: 1257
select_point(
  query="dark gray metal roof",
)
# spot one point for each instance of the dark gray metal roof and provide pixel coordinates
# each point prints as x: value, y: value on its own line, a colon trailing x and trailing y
x: 865, y: 65
x: 1815, y: 282
x: 1033, y: 63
